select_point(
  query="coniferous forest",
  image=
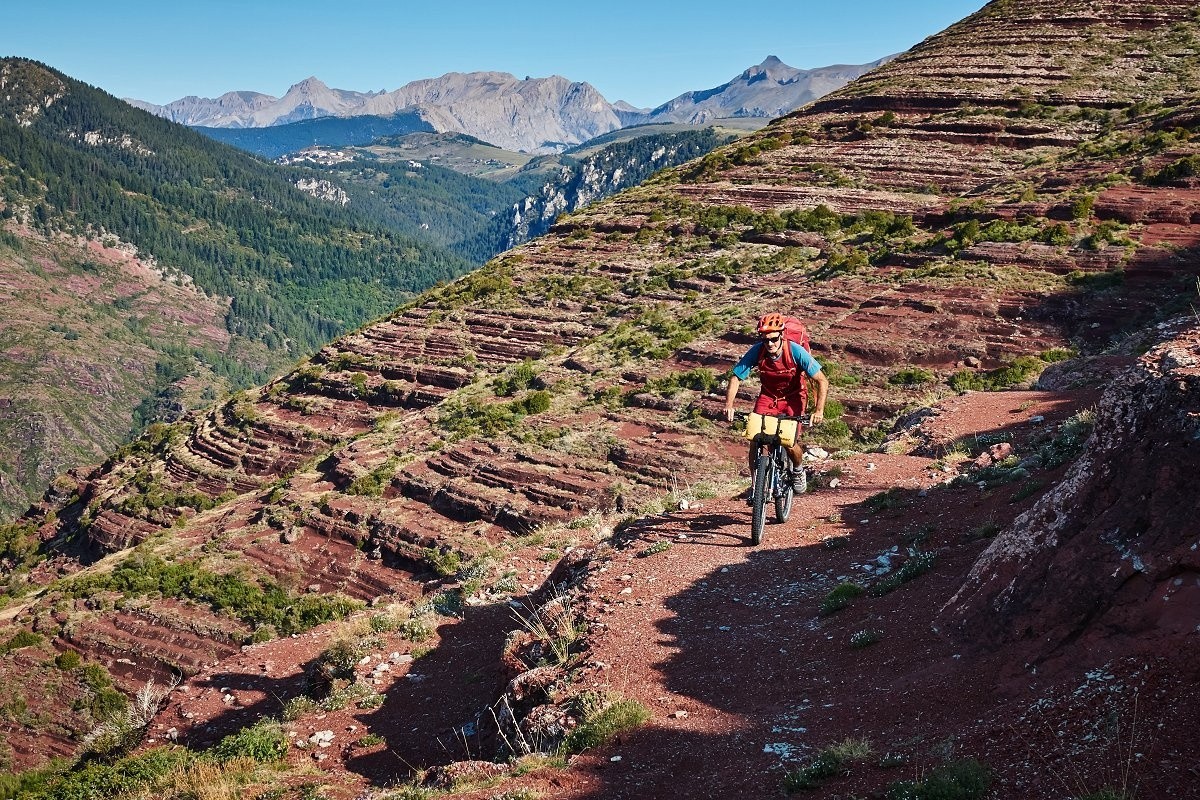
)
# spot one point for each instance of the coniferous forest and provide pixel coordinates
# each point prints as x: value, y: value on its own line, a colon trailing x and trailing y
x: 299, y: 270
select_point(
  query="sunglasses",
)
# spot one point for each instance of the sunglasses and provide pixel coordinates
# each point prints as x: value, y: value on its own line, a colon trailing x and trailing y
x: 772, y: 339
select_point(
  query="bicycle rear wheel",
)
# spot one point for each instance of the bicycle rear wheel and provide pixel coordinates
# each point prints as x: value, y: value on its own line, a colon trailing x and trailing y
x: 783, y: 491
x: 764, y: 481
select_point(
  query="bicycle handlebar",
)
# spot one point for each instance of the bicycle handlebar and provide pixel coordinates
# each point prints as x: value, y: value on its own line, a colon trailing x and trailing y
x: 803, y: 419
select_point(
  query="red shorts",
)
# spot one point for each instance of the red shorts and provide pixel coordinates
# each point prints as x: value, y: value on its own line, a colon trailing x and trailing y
x: 791, y: 405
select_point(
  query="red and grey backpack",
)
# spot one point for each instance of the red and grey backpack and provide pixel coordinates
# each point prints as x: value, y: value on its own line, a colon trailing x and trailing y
x: 793, y: 330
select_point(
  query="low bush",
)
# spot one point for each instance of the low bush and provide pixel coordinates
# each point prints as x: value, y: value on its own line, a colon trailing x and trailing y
x: 21, y: 639
x: 1020, y: 370
x: 911, y: 376
x: 840, y: 597
x: 67, y: 660
x: 918, y: 564
x: 956, y: 780
x: 603, y: 726
x: 1069, y: 441
x: 258, y: 603
x: 830, y: 762
x: 700, y: 379
x: 374, y: 482
x: 142, y: 774
x: 265, y: 742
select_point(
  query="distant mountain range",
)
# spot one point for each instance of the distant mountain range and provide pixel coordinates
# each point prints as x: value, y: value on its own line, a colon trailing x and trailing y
x: 534, y: 115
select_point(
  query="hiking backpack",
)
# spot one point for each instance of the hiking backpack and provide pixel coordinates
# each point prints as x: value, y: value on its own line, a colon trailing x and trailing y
x: 793, y: 331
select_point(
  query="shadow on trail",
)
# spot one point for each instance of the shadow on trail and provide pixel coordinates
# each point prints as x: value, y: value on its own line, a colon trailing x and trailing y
x: 752, y: 650
x: 432, y: 715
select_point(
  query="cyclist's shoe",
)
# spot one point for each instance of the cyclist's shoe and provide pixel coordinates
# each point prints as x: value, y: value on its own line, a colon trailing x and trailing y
x: 799, y: 480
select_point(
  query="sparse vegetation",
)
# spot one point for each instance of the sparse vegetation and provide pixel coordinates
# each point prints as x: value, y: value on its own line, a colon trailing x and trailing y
x: 265, y: 742
x: 865, y: 637
x: 1069, y: 441
x: 603, y: 725
x: 911, y: 376
x: 1018, y: 371
x: 255, y: 602
x: 553, y: 623
x: 841, y: 596
x: 917, y: 564
x: 828, y: 763
x: 374, y: 482
x: 661, y: 546
x: 956, y: 780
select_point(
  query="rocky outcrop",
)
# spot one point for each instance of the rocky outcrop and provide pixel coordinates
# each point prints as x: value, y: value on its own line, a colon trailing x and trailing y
x: 1108, y: 560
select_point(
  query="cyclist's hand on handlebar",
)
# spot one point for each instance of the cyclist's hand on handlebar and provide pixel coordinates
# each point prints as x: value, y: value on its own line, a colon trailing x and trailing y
x: 817, y: 417
x: 729, y: 413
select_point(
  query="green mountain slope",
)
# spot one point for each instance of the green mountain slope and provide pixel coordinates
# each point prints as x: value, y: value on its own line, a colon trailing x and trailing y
x: 188, y: 235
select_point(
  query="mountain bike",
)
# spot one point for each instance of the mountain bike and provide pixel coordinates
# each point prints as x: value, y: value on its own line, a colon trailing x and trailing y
x: 772, y: 482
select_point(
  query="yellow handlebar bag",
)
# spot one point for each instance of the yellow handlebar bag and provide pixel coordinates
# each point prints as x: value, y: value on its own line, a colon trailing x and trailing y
x: 785, y: 429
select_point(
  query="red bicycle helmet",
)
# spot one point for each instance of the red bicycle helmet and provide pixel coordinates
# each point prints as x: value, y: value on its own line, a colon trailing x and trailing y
x: 770, y: 323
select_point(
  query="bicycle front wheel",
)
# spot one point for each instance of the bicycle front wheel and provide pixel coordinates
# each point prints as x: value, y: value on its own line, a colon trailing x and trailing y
x: 764, y: 484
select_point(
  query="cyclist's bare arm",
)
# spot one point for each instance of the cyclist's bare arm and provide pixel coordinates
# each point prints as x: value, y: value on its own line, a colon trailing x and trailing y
x: 818, y: 412
x: 730, y: 396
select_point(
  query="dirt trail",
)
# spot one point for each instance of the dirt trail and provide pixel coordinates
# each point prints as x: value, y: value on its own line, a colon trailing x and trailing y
x: 726, y: 645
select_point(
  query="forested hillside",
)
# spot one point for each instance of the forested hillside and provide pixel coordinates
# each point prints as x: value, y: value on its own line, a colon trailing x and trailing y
x: 110, y: 212
x: 299, y: 270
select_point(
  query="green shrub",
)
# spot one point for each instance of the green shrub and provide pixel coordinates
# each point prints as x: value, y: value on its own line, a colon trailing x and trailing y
x: 1069, y: 441
x: 1057, y: 234
x: 67, y: 660
x: 865, y: 637
x: 661, y: 546
x: 374, y: 482
x: 1057, y: 354
x: 261, y: 603
x: 840, y: 597
x: 1188, y: 167
x: 22, y: 639
x: 444, y: 563
x: 911, y: 376
x: 135, y: 775
x: 1018, y: 371
x: 19, y: 545
x: 517, y: 378
x: 1081, y: 208
x: 829, y: 763
x: 107, y: 704
x: 700, y: 379
x: 1096, y: 281
x: 918, y: 563
x: 602, y: 727
x: 956, y: 780
x: 265, y: 742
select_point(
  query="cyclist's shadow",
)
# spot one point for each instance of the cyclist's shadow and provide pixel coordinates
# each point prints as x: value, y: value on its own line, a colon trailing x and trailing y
x: 715, y: 529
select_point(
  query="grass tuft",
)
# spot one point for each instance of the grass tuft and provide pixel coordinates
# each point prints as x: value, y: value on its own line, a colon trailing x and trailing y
x: 603, y: 726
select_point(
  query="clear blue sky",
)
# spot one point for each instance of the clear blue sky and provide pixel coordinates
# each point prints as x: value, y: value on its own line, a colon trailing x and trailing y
x: 641, y: 51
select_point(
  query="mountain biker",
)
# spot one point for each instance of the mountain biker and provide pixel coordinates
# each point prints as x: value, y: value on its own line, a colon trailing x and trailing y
x: 783, y: 390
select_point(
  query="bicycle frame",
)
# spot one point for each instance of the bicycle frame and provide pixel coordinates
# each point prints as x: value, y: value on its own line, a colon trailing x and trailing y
x: 771, y: 467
